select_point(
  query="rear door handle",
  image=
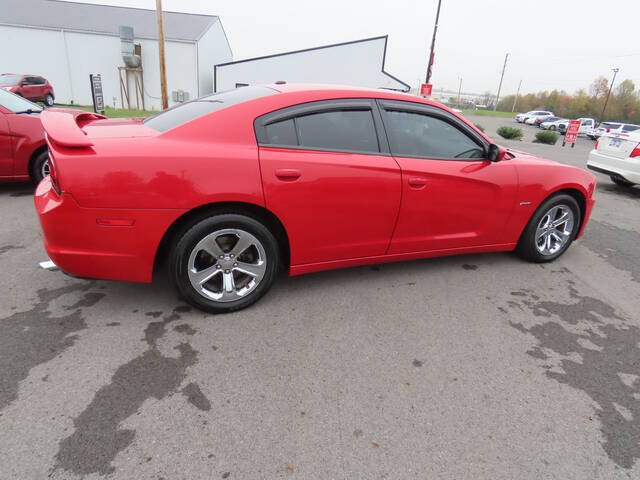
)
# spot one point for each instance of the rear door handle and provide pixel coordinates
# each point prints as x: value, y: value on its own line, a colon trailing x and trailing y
x: 417, y: 182
x: 288, y: 174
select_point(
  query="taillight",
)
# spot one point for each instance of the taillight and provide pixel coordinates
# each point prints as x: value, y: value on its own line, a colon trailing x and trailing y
x: 53, y: 174
x: 597, y: 142
x: 635, y: 152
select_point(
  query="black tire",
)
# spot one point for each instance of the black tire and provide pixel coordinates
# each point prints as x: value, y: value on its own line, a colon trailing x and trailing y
x: 38, y: 170
x: 179, y: 261
x: 526, y: 247
x: 552, y: 128
x: 621, y: 182
x: 48, y: 100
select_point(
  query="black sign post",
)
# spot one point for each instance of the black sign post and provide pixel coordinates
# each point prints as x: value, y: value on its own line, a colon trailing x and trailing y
x: 96, y: 92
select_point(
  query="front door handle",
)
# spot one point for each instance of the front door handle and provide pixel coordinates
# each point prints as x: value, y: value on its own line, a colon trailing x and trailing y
x: 417, y: 182
x: 288, y: 174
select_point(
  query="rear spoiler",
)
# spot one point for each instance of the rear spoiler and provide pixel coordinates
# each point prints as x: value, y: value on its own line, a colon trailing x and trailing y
x: 63, y: 128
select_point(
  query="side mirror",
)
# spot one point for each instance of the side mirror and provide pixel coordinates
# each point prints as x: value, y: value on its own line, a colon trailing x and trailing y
x: 496, y: 153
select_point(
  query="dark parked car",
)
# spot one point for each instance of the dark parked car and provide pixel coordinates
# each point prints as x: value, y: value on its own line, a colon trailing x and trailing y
x: 33, y: 87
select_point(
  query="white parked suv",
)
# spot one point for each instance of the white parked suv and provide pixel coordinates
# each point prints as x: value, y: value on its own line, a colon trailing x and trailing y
x: 523, y: 117
x: 613, y: 127
x: 617, y: 155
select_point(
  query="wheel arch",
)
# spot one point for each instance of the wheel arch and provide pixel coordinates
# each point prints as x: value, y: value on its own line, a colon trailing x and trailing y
x: 578, y: 195
x: 189, y: 218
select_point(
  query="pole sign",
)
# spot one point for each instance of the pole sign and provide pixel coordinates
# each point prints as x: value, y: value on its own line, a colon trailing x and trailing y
x: 572, y: 132
x: 96, y: 92
x: 426, y: 89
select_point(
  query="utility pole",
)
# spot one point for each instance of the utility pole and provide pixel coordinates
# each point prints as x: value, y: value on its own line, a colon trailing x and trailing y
x: 459, y: 89
x: 516, y: 99
x: 433, y: 44
x: 163, y: 70
x: 615, y: 72
x: 500, y: 86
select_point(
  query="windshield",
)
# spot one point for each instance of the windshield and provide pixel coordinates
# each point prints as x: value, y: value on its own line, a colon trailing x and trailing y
x: 15, y: 103
x: 186, y: 112
x: 609, y: 125
x: 9, y: 79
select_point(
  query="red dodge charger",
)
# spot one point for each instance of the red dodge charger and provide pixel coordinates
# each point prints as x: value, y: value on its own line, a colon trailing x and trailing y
x: 227, y: 189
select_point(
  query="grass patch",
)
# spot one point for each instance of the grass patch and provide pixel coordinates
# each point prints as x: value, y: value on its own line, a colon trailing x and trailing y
x: 489, y: 113
x: 510, y: 133
x: 113, y: 112
x: 550, y: 138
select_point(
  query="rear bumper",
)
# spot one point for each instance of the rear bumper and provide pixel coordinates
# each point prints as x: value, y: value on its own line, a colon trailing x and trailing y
x: 100, y: 243
x: 625, y: 168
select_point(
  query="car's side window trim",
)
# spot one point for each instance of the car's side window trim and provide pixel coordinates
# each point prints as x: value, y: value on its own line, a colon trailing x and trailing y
x: 322, y: 106
x: 411, y: 107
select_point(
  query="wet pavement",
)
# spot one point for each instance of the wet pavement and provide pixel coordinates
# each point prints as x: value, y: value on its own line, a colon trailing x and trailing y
x: 478, y: 367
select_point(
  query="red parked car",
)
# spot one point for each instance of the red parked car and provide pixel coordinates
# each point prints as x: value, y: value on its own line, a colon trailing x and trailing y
x: 33, y: 87
x: 228, y: 188
x: 23, y: 149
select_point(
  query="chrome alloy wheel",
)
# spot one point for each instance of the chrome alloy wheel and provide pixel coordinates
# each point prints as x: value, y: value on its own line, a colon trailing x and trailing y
x: 45, y: 169
x: 226, y: 265
x: 554, y: 229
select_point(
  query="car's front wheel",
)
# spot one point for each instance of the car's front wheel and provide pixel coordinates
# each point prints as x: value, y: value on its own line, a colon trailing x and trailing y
x: 224, y: 263
x: 552, y: 128
x: 551, y: 229
x: 48, y: 100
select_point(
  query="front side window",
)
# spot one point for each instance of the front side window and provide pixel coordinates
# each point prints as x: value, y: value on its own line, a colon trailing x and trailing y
x: 419, y: 135
x: 351, y: 130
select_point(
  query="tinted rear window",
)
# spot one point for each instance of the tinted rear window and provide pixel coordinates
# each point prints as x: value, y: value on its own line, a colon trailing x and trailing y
x: 186, y: 112
x: 338, y: 130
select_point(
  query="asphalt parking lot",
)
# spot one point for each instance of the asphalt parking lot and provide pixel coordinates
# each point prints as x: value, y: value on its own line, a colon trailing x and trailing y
x: 474, y: 367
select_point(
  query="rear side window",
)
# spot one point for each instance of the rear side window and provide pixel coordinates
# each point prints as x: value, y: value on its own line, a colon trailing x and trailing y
x: 419, y: 135
x: 282, y: 133
x: 630, y: 128
x: 609, y: 125
x: 186, y: 112
x: 338, y: 130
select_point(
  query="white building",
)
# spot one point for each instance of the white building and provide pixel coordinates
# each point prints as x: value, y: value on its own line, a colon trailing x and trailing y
x: 358, y: 63
x: 65, y: 42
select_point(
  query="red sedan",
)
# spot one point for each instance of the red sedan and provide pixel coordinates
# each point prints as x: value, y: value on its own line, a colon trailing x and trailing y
x: 228, y: 188
x: 23, y: 149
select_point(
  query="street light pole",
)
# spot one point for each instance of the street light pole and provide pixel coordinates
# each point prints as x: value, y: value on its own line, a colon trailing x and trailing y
x: 615, y: 72
x: 500, y: 86
x: 163, y: 71
x: 459, y: 89
x: 433, y: 44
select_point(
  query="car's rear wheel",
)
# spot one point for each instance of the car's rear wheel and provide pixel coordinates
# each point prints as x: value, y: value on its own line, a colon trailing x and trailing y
x: 224, y: 263
x: 48, y: 100
x: 621, y: 182
x: 551, y: 229
x: 40, y: 167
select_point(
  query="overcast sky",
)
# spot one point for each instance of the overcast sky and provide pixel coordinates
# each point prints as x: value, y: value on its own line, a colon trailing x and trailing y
x: 562, y: 44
